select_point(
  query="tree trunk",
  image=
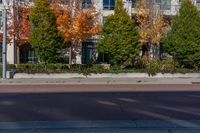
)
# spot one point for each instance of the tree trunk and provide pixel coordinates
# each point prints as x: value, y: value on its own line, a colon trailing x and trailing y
x: 79, y: 54
x: 70, y: 56
x: 76, y: 50
x: 156, y: 51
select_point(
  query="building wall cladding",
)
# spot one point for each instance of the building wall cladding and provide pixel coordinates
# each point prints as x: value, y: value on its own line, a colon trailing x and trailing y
x: 105, y: 7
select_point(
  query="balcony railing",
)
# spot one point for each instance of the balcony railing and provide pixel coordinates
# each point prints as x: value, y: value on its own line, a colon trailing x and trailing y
x: 170, y: 9
x: 166, y: 9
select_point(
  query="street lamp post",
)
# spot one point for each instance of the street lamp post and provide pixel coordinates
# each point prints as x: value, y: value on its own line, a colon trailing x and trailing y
x: 4, y: 49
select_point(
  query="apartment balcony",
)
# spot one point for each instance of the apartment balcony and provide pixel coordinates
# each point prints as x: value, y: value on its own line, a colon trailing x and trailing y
x: 167, y: 10
x: 170, y: 10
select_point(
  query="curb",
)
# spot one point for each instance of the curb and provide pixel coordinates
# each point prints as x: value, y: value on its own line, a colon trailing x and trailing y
x: 139, y: 126
x: 103, y: 75
x: 99, y: 81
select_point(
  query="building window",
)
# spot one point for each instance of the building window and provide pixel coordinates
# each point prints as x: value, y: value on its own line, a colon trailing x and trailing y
x: 133, y: 3
x: 198, y: 5
x: 27, y: 54
x: 165, y: 4
x: 156, y: 1
x: 109, y: 4
x: 87, y: 3
x: 1, y: 21
x: 89, y: 50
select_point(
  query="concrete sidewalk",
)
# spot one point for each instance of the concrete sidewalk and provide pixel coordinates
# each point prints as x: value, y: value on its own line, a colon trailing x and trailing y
x: 78, y: 81
x: 144, y: 126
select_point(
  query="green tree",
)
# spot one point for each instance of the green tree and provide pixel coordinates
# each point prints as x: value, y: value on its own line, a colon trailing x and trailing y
x: 183, y: 40
x: 45, y: 38
x: 120, y: 39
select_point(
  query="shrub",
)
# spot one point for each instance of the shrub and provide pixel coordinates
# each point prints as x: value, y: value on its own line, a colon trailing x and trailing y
x: 168, y: 65
x: 97, y: 68
x: 22, y: 68
x: 120, y: 38
x: 142, y: 62
x: 51, y: 67
x: 28, y: 68
x: 45, y: 38
x: 153, y: 67
x: 183, y: 40
x: 76, y: 68
x: 11, y: 66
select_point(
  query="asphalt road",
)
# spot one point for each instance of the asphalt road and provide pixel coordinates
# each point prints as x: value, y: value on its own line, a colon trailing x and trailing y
x: 82, y: 102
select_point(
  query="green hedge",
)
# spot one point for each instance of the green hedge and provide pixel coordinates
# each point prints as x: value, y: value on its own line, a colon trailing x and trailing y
x: 65, y: 68
x: 58, y: 68
x: 165, y: 66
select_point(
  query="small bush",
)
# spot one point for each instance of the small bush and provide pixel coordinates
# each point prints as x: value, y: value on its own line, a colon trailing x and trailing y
x: 97, y: 68
x: 64, y: 67
x: 153, y: 67
x: 76, y: 68
x: 165, y: 66
x: 51, y: 68
x: 168, y: 65
x: 22, y: 68
x: 11, y: 66
x: 142, y: 62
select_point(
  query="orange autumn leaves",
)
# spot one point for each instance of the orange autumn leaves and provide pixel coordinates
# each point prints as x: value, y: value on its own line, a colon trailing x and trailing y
x: 152, y: 26
x: 19, y: 25
x: 76, y: 23
x: 22, y: 26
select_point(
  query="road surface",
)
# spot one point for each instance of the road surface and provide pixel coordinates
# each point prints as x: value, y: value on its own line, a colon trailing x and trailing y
x: 56, y: 103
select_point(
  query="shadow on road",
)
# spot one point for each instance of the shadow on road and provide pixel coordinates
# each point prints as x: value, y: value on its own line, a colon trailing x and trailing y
x: 100, y: 106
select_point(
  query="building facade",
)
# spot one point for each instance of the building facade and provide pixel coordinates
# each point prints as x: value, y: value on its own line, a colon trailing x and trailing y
x: 25, y: 54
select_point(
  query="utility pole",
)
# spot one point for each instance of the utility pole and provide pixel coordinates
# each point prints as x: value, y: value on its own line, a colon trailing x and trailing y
x: 4, y: 49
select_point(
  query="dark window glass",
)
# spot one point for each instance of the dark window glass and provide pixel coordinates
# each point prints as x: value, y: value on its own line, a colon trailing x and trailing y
x: 156, y: 1
x: 27, y: 54
x: 165, y: 4
x: 133, y: 3
x: 87, y: 3
x: 109, y: 4
x: 88, y: 52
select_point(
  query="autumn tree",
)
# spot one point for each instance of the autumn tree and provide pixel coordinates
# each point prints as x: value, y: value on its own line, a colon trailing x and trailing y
x: 120, y: 38
x: 76, y: 23
x: 183, y: 40
x: 20, y: 28
x: 45, y: 39
x: 152, y: 27
x: 19, y: 25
